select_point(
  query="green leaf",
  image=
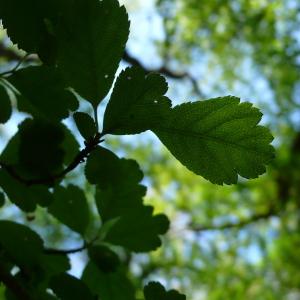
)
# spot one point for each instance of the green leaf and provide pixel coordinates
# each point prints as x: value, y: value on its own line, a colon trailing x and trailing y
x: 5, y: 105
x: 101, y: 167
x: 68, y: 287
x: 138, y: 230
x: 93, y: 34
x: 43, y: 93
x: 217, y: 139
x: 137, y: 102
x: 22, y: 245
x: 71, y: 208
x: 104, y: 258
x: 25, y: 197
x: 25, y: 22
x: 119, y: 195
x: 85, y: 124
x: 40, y: 149
x: 108, y: 286
x: 155, y: 291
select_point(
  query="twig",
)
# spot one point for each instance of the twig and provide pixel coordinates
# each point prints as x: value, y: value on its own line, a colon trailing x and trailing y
x: 242, y: 223
x: 165, y: 71
x: 70, y: 251
x: 79, y: 158
x: 13, y: 70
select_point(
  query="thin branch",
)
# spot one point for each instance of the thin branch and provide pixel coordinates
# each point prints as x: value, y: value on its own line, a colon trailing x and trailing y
x: 79, y: 158
x: 65, y: 251
x: 242, y: 223
x: 13, y: 70
x: 165, y: 71
x: 70, y: 251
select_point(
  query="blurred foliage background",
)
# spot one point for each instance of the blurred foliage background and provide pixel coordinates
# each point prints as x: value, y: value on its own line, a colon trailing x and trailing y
x: 225, y: 242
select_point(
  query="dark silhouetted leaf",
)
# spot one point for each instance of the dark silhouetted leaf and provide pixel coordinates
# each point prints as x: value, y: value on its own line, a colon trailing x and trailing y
x: 43, y: 93
x: 101, y: 167
x: 108, y: 286
x: 5, y: 105
x: 138, y: 230
x: 25, y: 23
x: 85, y: 124
x: 21, y: 244
x: 217, y: 139
x: 104, y: 258
x: 93, y: 34
x: 68, y: 287
x: 25, y: 197
x: 137, y: 102
x: 46, y: 148
x: 70, y: 207
x: 155, y: 291
x: 119, y: 195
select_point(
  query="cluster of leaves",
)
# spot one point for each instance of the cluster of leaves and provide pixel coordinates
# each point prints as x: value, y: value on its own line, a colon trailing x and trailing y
x: 80, y: 44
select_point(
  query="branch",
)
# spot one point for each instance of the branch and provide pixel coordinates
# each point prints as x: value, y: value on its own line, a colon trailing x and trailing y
x: 79, y: 158
x: 242, y: 223
x: 165, y: 71
x: 65, y: 251
x: 70, y: 251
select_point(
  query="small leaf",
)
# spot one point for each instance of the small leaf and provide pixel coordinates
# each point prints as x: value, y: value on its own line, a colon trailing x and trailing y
x: 68, y: 287
x: 155, y: 291
x: 108, y: 286
x: 71, y: 208
x: 104, y: 258
x: 22, y: 245
x: 93, y: 34
x: 138, y: 230
x: 217, y: 139
x: 43, y: 93
x: 5, y: 105
x: 85, y: 124
x: 137, y: 102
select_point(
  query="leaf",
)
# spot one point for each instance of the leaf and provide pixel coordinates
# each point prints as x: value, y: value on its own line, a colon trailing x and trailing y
x: 108, y: 286
x: 119, y: 195
x: 22, y: 245
x: 40, y: 150
x: 5, y: 105
x: 217, y: 139
x: 68, y: 287
x: 24, y: 17
x: 44, y: 93
x: 93, y: 34
x: 25, y: 197
x: 85, y: 124
x: 137, y: 102
x: 71, y: 208
x: 138, y: 230
x: 46, y: 148
x: 101, y: 167
x: 104, y: 258
x: 155, y: 291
